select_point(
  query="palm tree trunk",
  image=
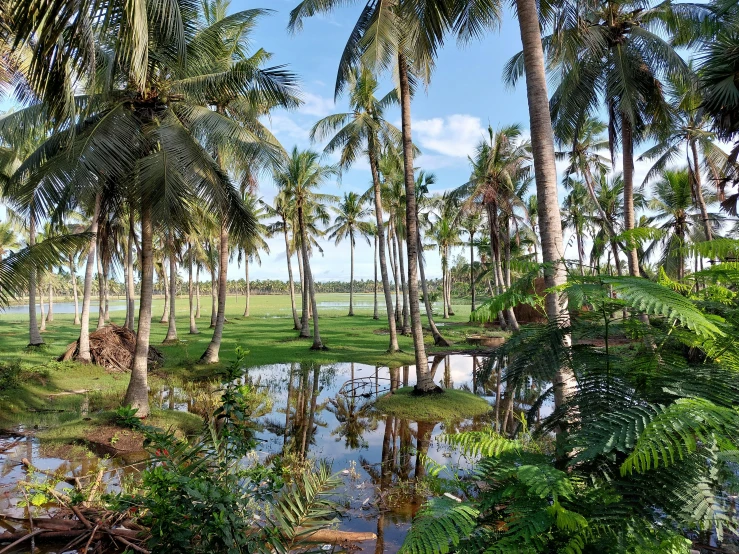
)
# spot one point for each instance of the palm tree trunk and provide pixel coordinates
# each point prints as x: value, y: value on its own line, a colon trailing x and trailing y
x: 351, y: 278
x: 396, y: 274
x: 130, y: 286
x: 438, y: 339
x: 491, y: 210
x: 126, y: 270
x: 50, y: 313
x: 698, y: 192
x: 375, y: 314
x: 424, y: 382
x: 317, y: 344
x: 73, y: 277
x: 172, y: 328
x: 291, y: 283
x: 213, y: 288
x: 617, y: 261
x: 580, y: 251
x: 445, y: 306
x: 33, y: 330
x: 512, y: 321
x: 191, y: 292
x: 84, y: 349
x: 137, y: 394
x: 197, y: 291
x: 472, y: 268
x: 165, y: 286
x: 627, y: 140
x: 406, y: 328
x: 304, y: 295
x: 41, y: 305
x: 106, y: 282
x: 210, y: 356
x: 101, y: 287
x: 550, y: 222
x: 248, y: 286
x: 381, y: 247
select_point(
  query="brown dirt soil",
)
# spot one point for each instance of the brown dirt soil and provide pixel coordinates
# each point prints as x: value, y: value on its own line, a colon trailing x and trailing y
x: 113, y: 348
x: 109, y: 439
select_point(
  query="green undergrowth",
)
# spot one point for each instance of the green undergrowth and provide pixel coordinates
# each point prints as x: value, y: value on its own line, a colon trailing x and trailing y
x: 451, y: 405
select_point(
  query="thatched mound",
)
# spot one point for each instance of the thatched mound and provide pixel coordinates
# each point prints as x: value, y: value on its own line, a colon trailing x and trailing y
x: 113, y: 348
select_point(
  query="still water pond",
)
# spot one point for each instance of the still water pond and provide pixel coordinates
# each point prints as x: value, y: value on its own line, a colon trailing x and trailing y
x: 324, y: 412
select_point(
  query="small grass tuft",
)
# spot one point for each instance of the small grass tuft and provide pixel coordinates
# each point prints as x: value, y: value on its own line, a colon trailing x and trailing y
x: 451, y: 405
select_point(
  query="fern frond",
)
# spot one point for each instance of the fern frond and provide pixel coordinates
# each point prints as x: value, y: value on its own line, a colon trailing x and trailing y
x: 439, y: 527
x: 481, y: 443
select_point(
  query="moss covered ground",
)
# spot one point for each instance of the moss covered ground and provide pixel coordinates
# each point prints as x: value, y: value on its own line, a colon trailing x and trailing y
x: 451, y: 405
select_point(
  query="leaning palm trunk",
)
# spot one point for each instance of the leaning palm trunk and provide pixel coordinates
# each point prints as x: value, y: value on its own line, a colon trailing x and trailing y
x: 406, y: 328
x: 291, y: 281
x: 172, y: 328
x: 438, y: 339
x: 424, y: 381
x: 317, y: 344
x: 165, y: 286
x: 84, y: 349
x: 191, y: 293
x: 375, y: 314
x: 210, y: 356
x: 73, y: 277
x: 248, y: 287
x: 137, y: 395
x: 381, y: 248
x: 542, y: 141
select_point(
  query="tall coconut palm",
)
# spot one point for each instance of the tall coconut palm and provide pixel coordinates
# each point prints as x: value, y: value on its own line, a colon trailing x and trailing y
x: 470, y: 220
x: 405, y: 35
x: 248, y: 249
x: 349, y: 224
x: 611, y: 54
x: 365, y: 128
x: 299, y: 178
x: 575, y: 216
x: 689, y: 135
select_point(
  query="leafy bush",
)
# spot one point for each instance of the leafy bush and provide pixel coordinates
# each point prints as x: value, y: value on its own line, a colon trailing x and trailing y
x: 10, y: 374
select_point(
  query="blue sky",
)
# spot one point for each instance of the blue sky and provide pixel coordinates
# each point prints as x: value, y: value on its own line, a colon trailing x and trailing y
x: 449, y: 118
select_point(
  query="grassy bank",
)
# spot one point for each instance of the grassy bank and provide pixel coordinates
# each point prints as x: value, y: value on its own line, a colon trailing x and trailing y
x: 267, y: 334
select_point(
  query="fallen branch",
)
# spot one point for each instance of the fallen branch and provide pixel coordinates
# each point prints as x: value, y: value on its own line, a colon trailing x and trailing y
x: 332, y: 536
x: 19, y: 541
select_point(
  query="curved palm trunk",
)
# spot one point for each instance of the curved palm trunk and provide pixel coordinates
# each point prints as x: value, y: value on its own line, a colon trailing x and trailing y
x: 291, y: 281
x: 165, y: 286
x: 248, y: 286
x: 84, y: 349
x: 191, y: 293
x: 438, y: 339
x: 172, y: 328
x: 317, y: 344
x: 73, y: 277
x: 542, y: 141
x: 406, y: 329
x: 50, y: 313
x: 424, y: 382
x: 375, y: 314
x: 698, y: 193
x: 137, y: 394
x: 210, y: 356
x: 381, y: 248
x: 627, y: 140
x: 351, y: 278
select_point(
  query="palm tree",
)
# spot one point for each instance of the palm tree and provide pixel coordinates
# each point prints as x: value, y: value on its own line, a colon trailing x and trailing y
x: 445, y: 233
x: 249, y: 249
x: 575, y: 216
x: 672, y: 201
x: 348, y: 224
x: 689, y: 130
x: 298, y: 179
x: 283, y: 209
x: 470, y: 220
x: 610, y: 53
x: 365, y: 128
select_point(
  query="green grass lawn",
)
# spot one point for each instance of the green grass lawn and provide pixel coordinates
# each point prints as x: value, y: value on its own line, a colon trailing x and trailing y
x: 267, y: 334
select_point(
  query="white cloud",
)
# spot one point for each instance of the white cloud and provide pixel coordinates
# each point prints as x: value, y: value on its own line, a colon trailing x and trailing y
x: 455, y: 135
x: 316, y: 106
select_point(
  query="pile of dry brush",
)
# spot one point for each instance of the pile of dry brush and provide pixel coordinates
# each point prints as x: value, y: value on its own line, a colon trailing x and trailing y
x: 113, y: 347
